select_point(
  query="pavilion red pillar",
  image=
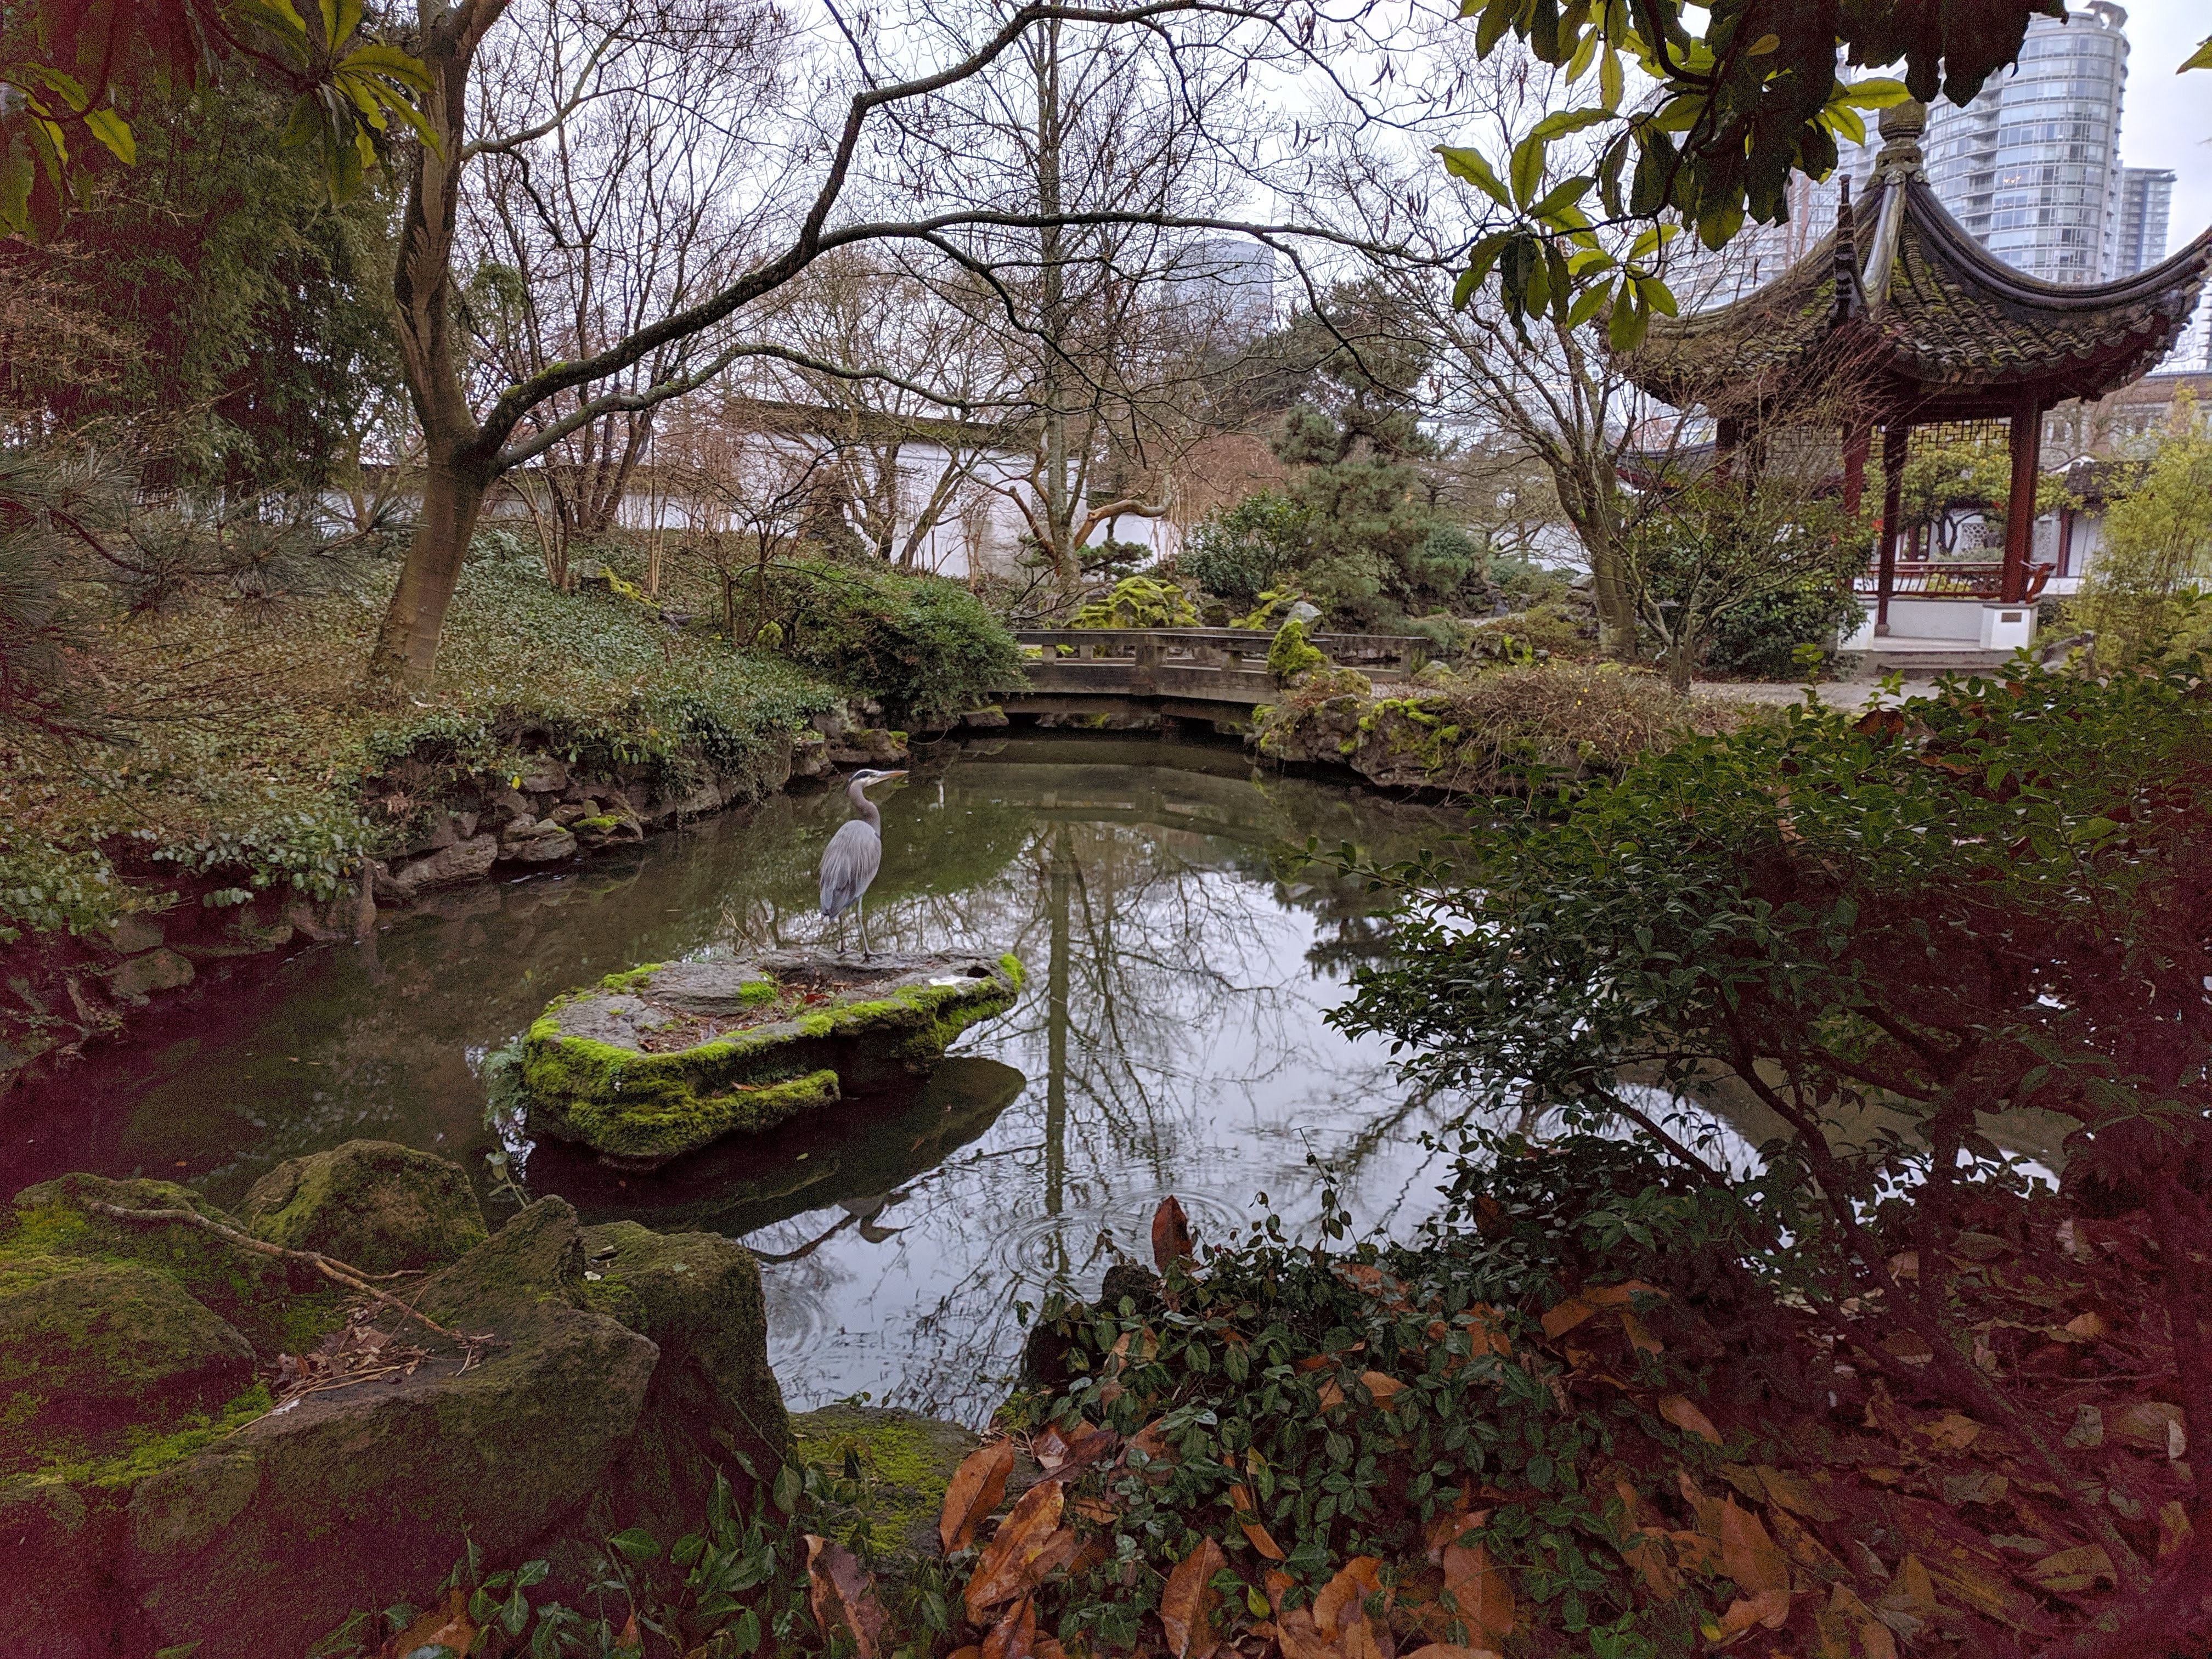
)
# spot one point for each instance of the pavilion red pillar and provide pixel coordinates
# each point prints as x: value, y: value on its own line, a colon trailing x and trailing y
x: 1856, y: 444
x: 1895, y: 436
x: 2026, y: 437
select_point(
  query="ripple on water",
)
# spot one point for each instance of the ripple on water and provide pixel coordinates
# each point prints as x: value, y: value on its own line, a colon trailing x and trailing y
x: 1080, y: 1240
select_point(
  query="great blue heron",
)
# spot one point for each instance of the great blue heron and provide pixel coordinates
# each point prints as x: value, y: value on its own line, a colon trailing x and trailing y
x: 854, y: 854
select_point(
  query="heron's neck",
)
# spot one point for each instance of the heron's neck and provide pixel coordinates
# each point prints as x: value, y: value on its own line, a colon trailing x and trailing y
x: 865, y: 807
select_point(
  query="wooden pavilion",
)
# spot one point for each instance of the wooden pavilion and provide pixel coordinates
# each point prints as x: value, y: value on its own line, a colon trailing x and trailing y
x: 1931, y: 328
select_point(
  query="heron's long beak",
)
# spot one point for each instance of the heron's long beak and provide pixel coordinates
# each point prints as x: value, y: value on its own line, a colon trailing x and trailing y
x: 882, y: 777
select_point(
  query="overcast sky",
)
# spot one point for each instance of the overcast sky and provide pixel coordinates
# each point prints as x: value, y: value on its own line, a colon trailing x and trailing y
x: 2167, y: 121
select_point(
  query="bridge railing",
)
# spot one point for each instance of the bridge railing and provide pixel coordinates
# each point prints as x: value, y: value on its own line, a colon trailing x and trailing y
x: 1230, y: 650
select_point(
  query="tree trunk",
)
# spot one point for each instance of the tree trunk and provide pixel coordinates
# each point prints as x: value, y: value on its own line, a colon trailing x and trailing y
x: 456, y: 477
x: 406, y: 651
x: 1681, y: 658
x: 1060, y: 490
x: 1587, y: 491
x: 1616, y: 605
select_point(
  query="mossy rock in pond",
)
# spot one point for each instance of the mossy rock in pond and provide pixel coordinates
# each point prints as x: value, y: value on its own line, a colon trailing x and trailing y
x: 372, y: 1204
x: 660, y: 1060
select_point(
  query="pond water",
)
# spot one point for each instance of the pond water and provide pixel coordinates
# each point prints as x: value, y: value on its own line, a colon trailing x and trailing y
x: 1170, y: 1039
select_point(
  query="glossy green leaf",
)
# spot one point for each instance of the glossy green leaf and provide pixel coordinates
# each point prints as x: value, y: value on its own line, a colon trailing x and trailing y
x: 1470, y: 164
x: 113, y: 130
x: 1593, y: 299
x: 1610, y: 83
x: 1625, y: 328
x: 1562, y: 198
x: 1881, y: 93
x: 1559, y: 123
x: 1527, y: 169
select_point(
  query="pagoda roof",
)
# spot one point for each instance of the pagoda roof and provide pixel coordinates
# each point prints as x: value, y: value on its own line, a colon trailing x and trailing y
x: 1940, y: 327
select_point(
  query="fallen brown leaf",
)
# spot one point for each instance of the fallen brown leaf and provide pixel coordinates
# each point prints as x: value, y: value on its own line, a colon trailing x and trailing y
x: 2174, y: 1529
x: 1383, y: 1387
x: 974, y: 1491
x: 2073, y: 1570
x: 1172, y: 1238
x: 1029, y: 1544
x: 1749, y: 1556
x: 1952, y: 1432
x: 1482, y: 1592
x: 1338, y: 1602
x: 1770, y: 1608
x: 1794, y: 1492
x: 1563, y: 1316
x: 1261, y: 1540
x: 1187, y: 1605
x: 1013, y: 1637
x: 447, y: 1624
x: 1875, y: 1639
x: 843, y: 1596
x: 1678, y: 1410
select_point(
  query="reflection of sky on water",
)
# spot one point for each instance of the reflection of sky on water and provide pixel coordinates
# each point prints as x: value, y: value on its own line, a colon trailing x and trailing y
x: 1170, y: 1039
x: 1172, y: 1033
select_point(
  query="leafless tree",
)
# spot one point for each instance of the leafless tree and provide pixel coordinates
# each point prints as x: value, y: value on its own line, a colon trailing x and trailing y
x: 614, y: 214
x: 816, y: 185
x: 754, y: 483
x: 906, y: 466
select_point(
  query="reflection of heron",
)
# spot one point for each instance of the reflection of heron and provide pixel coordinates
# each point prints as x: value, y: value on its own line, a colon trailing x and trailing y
x: 854, y: 854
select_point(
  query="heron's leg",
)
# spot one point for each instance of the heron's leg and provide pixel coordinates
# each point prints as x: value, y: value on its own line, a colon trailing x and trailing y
x: 860, y: 904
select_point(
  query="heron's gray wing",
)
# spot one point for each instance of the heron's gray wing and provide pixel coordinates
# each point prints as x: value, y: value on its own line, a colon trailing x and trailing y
x: 848, y: 864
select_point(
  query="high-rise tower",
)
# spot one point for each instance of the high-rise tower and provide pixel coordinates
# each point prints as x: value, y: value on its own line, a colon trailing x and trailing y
x: 2032, y: 167
x: 2145, y: 208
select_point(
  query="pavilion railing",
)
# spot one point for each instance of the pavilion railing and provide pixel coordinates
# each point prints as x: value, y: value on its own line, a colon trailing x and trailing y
x: 1937, y: 579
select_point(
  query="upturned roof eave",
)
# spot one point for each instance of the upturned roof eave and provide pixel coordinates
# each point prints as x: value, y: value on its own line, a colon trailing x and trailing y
x: 1711, y: 356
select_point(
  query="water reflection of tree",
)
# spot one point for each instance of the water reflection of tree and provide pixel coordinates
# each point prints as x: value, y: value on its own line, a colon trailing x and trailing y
x: 1172, y: 944
x: 1171, y: 1029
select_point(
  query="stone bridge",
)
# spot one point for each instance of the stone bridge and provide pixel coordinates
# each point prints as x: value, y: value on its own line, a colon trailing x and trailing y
x: 1188, y: 673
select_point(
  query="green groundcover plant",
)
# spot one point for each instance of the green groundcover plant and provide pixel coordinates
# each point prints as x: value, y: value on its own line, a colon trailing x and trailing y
x: 1884, y: 931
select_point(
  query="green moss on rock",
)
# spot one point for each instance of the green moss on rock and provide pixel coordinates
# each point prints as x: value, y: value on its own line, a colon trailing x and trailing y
x: 244, y: 1290
x: 697, y: 1296
x: 1290, y: 656
x: 91, y: 1350
x: 678, y: 1120
x: 354, y: 1497
x: 372, y: 1204
x: 904, y: 1461
x: 599, y: 1066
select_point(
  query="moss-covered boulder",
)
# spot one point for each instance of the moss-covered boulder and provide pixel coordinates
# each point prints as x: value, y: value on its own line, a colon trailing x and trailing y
x: 358, y: 1497
x: 661, y: 1060
x: 372, y: 1204
x: 89, y: 1348
x: 244, y: 1291
x: 697, y: 1296
x: 191, y: 1510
